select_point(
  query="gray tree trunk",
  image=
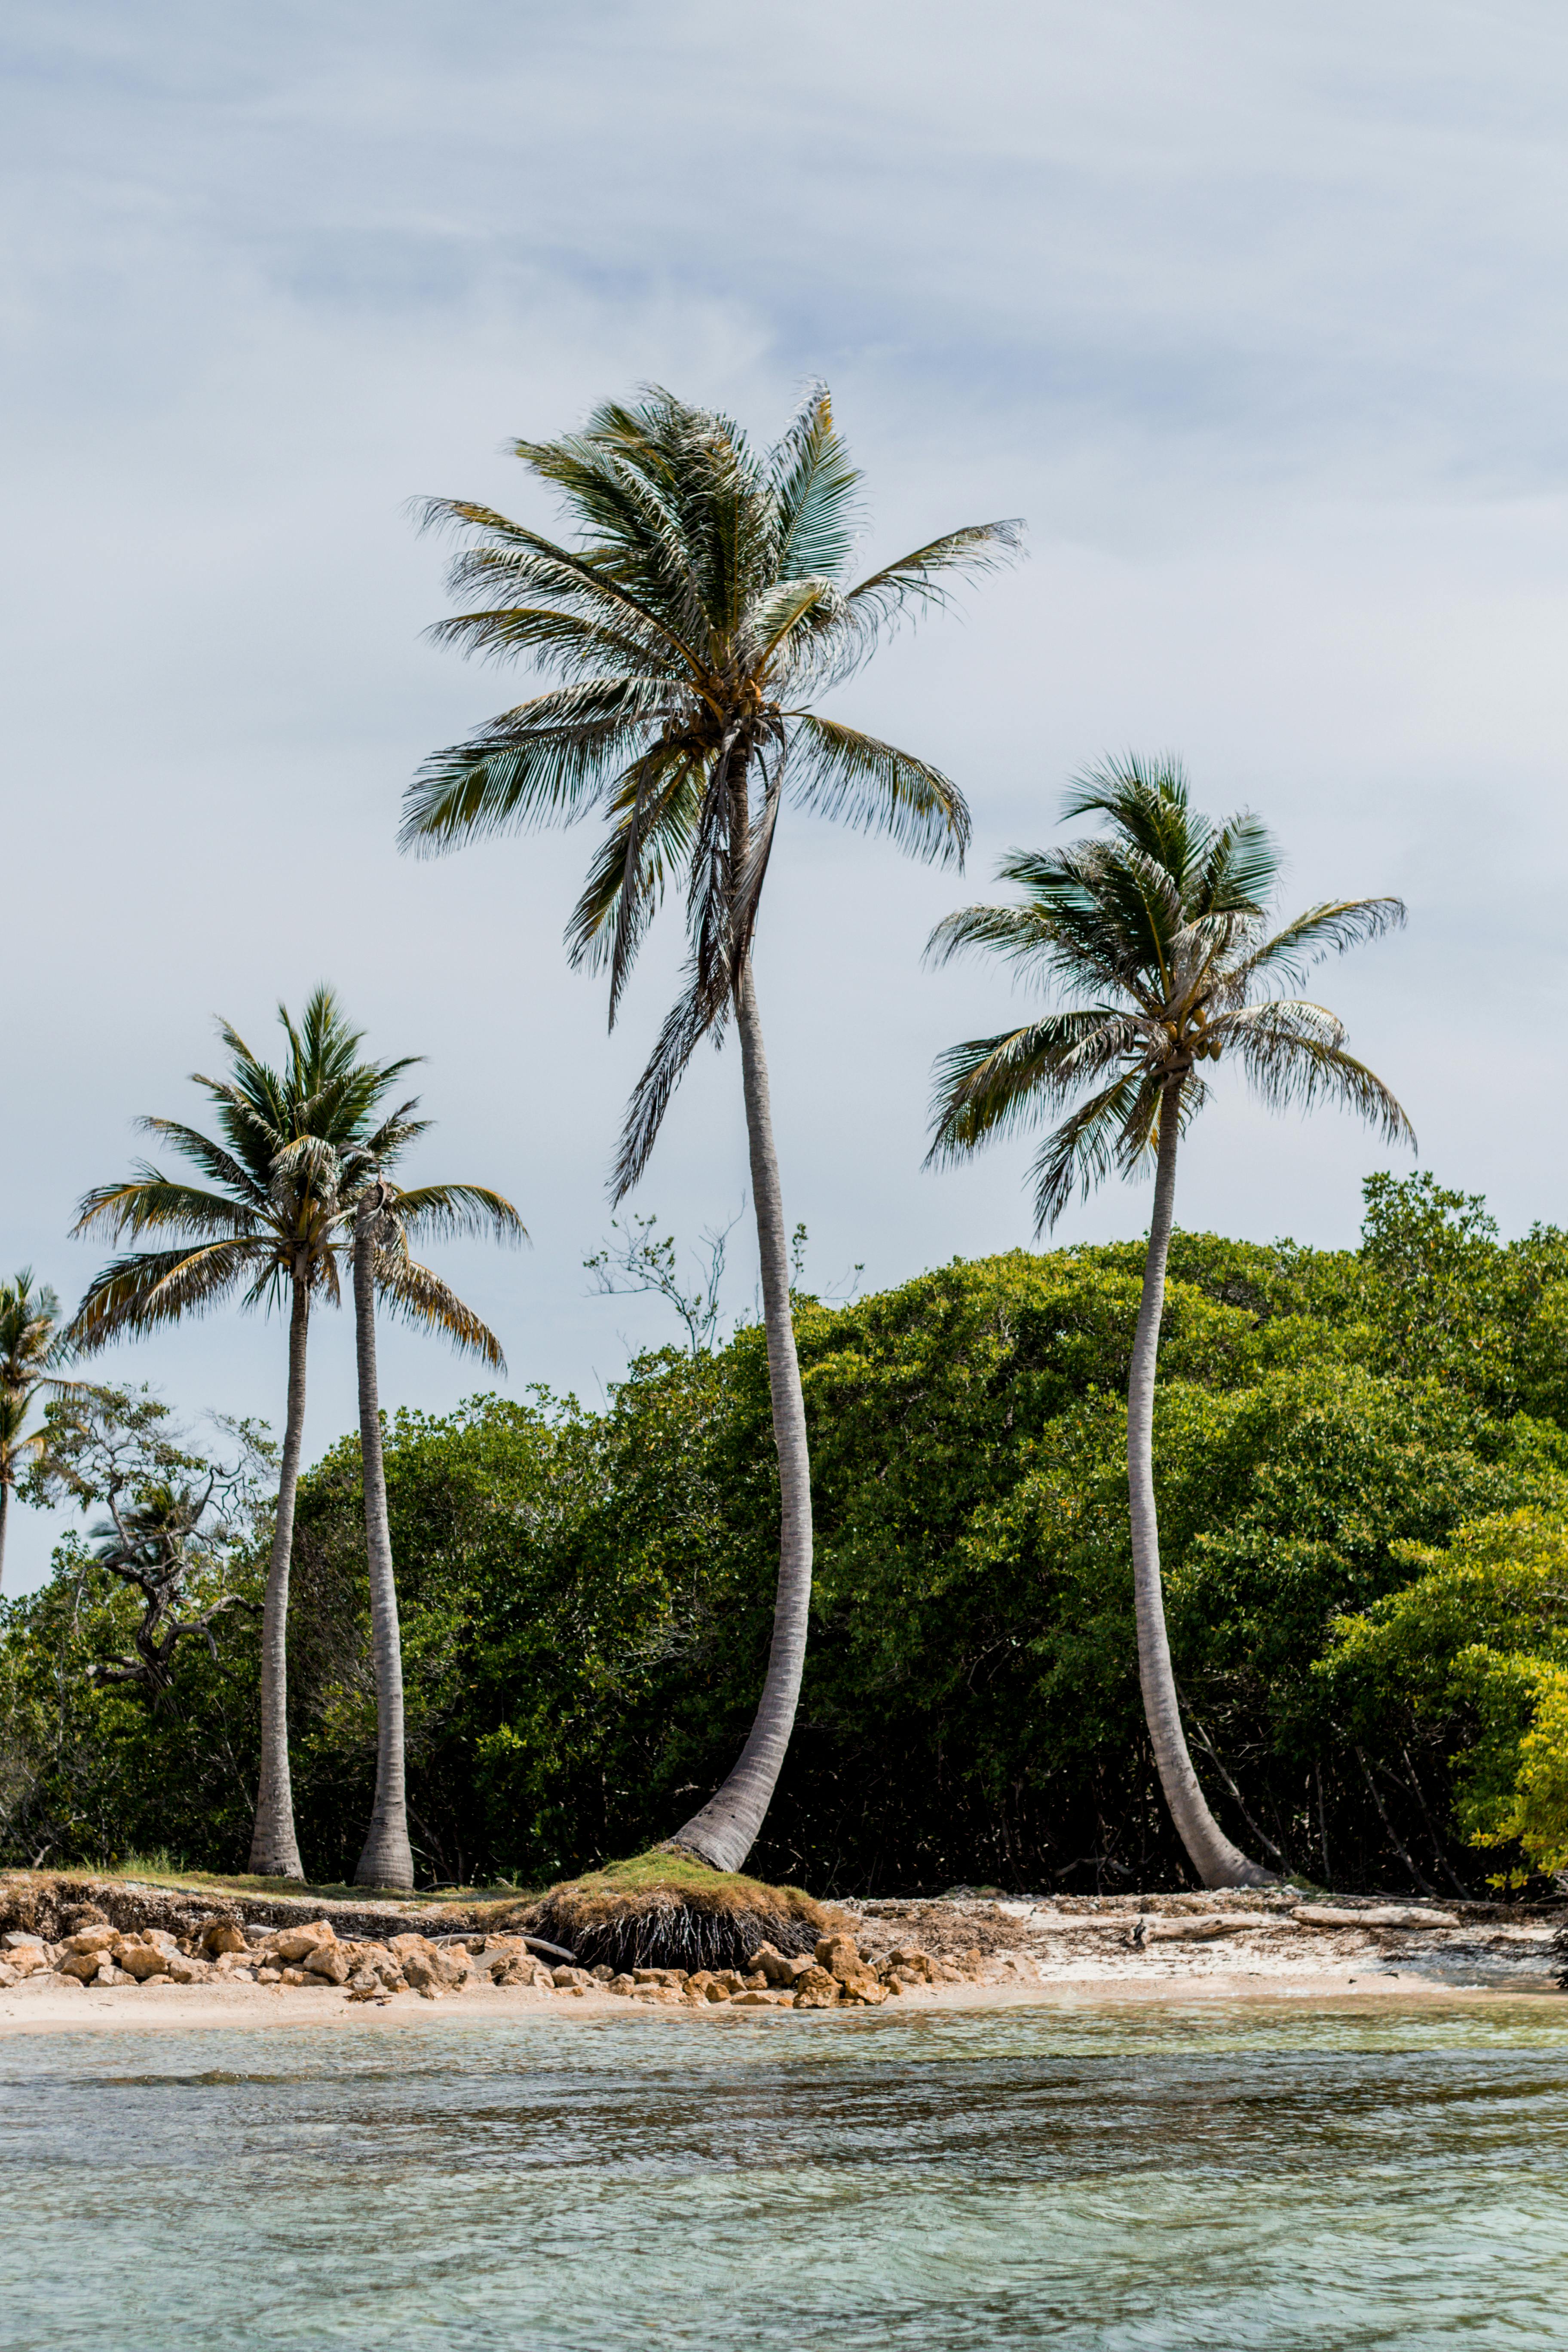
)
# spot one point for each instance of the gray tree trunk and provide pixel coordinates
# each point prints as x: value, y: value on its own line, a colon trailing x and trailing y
x: 5, y: 1515
x: 725, y: 1830
x: 1216, y: 1860
x: 387, y: 1860
x: 274, y: 1850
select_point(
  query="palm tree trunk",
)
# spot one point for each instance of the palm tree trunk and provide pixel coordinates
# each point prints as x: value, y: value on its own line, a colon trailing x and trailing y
x: 726, y: 1829
x: 5, y: 1515
x: 274, y: 1850
x: 1216, y: 1860
x: 387, y: 1860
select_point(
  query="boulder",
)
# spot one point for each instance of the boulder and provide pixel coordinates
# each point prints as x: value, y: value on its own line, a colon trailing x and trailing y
x: 566, y: 1980
x: 860, y: 1985
x: 428, y: 1969
x: 8, y: 1975
x: 838, y: 1955
x: 97, y: 1938
x: 295, y: 1943
x: 18, y: 1939
x: 223, y: 1936
x: 143, y: 1960
x: 622, y: 1985
x: 784, y: 1969
x: 909, y: 1960
x: 183, y: 1968
x: 83, y: 1966
x: 816, y: 1988
x: 329, y: 1962
x: 26, y: 1960
x: 763, y: 1998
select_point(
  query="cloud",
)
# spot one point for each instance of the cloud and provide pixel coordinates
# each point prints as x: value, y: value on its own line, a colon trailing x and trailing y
x: 1253, y: 312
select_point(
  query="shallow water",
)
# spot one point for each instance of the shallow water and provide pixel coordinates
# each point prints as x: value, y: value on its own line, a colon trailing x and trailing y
x: 1206, y: 2176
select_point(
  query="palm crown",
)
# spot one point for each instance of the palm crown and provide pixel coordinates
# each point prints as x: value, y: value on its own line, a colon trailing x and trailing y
x: 703, y: 608
x: 1162, y: 927
x: 296, y: 1144
x: 31, y: 1347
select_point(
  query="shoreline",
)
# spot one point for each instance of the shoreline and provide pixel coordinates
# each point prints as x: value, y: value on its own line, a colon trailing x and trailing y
x: 42, y: 2008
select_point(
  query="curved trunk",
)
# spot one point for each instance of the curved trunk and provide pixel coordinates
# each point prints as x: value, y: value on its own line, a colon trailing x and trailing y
x: 274, y: 1852
x: 386, y: 1860
x: 1216, y: 1860
x: 726, y: 1829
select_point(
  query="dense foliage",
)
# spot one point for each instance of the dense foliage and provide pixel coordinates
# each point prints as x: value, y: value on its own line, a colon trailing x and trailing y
x: 1363, y: 1468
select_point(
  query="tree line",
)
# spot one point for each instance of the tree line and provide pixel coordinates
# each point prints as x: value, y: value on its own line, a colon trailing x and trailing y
x: 692, y: 628
x: 1362, y: 1472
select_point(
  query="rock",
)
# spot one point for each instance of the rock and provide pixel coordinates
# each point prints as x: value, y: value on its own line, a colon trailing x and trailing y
x: 816, y: 1988
x: 909, y: 1960
x: 223, y: 1936
x: 292, y: 1976
x: 428, y: 1969
x: 25, y: 1960
x: 755, y: 1982
x: 622, y: 1985
x: 183, y: 1968
x: 859, y: 1984
x: 567, y: 1979
x: 785, y: 1969
x: 83, y: 1966
x: 143, y: 1960
x: 297, y: 1943
x: 98, y: 1939
x: 329, y: 1962
x: 763, y: 1998
x: 837, y: 1954
x: 368, y: 1988
x: 269, y: 1976
x: 19, y: 1940
x: 8, y: 1975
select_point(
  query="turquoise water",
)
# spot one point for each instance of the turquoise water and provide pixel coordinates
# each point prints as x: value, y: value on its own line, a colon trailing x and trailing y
x: 1201, y: 2177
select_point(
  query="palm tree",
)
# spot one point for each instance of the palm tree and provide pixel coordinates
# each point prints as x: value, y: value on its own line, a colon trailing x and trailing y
x: 1162, y: 928
x: 31, y: 1345
x: 383, y: 1220
x: 702, y: 609
x: 266, y: 1224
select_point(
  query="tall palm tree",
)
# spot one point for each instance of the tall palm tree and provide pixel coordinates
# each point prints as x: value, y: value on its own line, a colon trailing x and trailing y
x: 267, y: 1224
x: 703, y: 607
x: 383, y: 1220
x: 31, y: 1346
x: 1162, y: 928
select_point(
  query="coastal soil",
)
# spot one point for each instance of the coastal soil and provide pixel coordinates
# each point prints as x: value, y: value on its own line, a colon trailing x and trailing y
x: 962, y: 1951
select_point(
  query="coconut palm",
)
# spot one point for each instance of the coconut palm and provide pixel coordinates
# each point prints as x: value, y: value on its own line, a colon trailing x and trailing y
x: 383, y: 1219
x: 266, y: 1225
x: 703, y: 608
x: 1158, y: 933
x: 31, y: 1346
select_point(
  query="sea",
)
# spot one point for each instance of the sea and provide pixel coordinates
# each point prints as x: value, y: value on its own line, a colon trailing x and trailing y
x: 1187, y: 2175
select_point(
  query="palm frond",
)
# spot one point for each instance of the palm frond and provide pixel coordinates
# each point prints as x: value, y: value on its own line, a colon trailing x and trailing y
x: 836, y: 771
x: 1328, y: 928
x: 1092, y: 1143
x: 815, y: 490
x: 451, y: 1211
x: 149, y: 1202
x: 534, y: 765
x: 988, y: 1086
x: 416, y: 1295
x: 1292, y: 1056
x: 688, y: 1022
x: 151, y: 1287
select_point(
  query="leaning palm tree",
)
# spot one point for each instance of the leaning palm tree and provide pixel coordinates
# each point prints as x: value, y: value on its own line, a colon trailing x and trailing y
x: 31, y: 1347
x: 1162, y: 928
x: 702, y: 609
x: 267, y: 1224
x: 383, y: 1219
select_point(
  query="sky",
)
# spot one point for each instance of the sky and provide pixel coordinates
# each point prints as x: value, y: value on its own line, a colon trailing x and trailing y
x: 1255, y: 311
